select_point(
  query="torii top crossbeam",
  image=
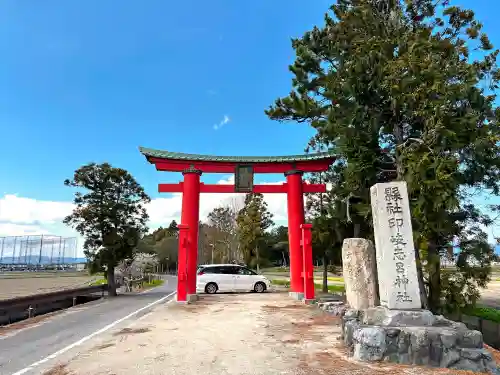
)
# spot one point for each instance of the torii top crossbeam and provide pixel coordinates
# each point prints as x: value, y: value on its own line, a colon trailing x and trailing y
x: 178, y: 162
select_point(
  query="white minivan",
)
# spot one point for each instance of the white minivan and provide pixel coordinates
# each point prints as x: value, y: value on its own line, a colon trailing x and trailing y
x: 213, y: 278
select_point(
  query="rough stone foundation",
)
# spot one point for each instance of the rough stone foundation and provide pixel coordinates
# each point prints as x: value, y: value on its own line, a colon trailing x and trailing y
x: 413, y: 337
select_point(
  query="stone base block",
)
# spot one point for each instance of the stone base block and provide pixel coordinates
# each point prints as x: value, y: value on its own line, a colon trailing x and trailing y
x: 190, y: 298
x: 309, y: 301
x: 382, y: 316
x: 336, y: 308
x: 296, y: 295
x: 414, y: 338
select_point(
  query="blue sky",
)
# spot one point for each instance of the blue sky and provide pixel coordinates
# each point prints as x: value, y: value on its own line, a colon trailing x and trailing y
x: 84, y: 81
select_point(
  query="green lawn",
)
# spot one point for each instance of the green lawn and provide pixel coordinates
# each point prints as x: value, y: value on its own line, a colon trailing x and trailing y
x: 487, y: 313
x: 152, y: 284
x: 102, y: 281
x: 339, y: 279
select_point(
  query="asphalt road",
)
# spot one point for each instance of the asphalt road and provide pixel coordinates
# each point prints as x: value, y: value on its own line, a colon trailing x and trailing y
x: 20, y: 349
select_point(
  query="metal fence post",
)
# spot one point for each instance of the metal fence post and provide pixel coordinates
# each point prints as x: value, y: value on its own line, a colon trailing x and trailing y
x: 1, y: 255
x: 40, y: 253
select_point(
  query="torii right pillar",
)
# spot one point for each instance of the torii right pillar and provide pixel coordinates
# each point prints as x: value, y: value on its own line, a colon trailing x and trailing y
x: 295, y: 205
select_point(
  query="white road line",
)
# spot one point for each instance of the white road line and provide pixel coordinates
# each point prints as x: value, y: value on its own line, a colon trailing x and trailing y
x: 86, y: 338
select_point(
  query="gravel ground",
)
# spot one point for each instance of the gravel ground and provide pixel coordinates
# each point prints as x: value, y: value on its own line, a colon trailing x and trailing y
x: 17, y: 287
x: 237, y: 334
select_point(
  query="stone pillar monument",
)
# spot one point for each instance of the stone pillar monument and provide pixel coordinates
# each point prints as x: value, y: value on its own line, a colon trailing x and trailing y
x: 360, y: 273
x: 400, y: 330
x: 397, y: 270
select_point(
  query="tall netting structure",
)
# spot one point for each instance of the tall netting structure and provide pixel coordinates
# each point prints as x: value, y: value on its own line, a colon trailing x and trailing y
x: 39, y: 250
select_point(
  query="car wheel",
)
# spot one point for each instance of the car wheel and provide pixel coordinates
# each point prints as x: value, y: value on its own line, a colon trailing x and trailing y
x: 259, y: 287
x: 211, y: 288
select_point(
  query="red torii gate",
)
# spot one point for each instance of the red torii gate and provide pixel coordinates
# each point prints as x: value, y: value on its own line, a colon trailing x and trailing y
x: 193, y: 165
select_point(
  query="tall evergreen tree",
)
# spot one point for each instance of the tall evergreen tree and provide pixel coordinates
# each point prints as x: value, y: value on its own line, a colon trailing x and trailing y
x: 253, y: 220
x: 110, y: 214
x: 328, y: 212
x: 396, y: 90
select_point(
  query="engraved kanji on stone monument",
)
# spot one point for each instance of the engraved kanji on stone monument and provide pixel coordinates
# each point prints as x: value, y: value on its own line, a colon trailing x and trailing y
x: 396, y: 267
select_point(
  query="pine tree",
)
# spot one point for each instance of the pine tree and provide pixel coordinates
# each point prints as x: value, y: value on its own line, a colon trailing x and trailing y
x: 395, y: 90
x: 253, y: 220
x: 110, y: 214
x: 328, y: 212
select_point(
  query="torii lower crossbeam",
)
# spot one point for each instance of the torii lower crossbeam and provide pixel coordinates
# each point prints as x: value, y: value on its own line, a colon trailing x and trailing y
x: 226, y: 189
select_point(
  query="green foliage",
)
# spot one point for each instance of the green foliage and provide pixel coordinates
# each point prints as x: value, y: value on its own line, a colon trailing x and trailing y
x: 487, y: 313
x: 109, y: 213
x: 154, y: 283
x: 276, y: 246
x: 253, y: 220
x: 164, y: 243
x: 394, y: 89
x: 102, y: 281
x: 223, y: 218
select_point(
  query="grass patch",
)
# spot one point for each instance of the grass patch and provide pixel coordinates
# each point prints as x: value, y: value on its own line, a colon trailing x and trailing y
x: 339, y: 279
x: 483, y: 312
x: 154, y: 283
x: 99, y: 282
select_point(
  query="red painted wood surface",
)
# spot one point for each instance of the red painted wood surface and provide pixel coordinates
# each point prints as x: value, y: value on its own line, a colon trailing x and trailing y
x: 190, y: 216
x: 224, y: 167
x: 295, y: 205
x: 182, y: 275
x: 308, y: 273
x: 264, y: 189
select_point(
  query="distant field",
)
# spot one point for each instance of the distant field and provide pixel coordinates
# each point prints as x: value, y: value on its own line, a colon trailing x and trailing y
x: 31, y: 275
x: 11, y: 287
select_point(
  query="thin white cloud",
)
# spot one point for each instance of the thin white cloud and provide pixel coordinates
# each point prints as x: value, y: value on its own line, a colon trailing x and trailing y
x: 224, y: 121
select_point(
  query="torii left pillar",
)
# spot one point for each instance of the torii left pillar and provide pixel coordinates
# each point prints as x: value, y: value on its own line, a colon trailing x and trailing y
x: 295, y: 204
x: 190, y: 216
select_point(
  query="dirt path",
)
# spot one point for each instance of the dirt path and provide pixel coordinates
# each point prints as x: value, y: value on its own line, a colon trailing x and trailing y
x: 233, y: 334
x: 491, y: 295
